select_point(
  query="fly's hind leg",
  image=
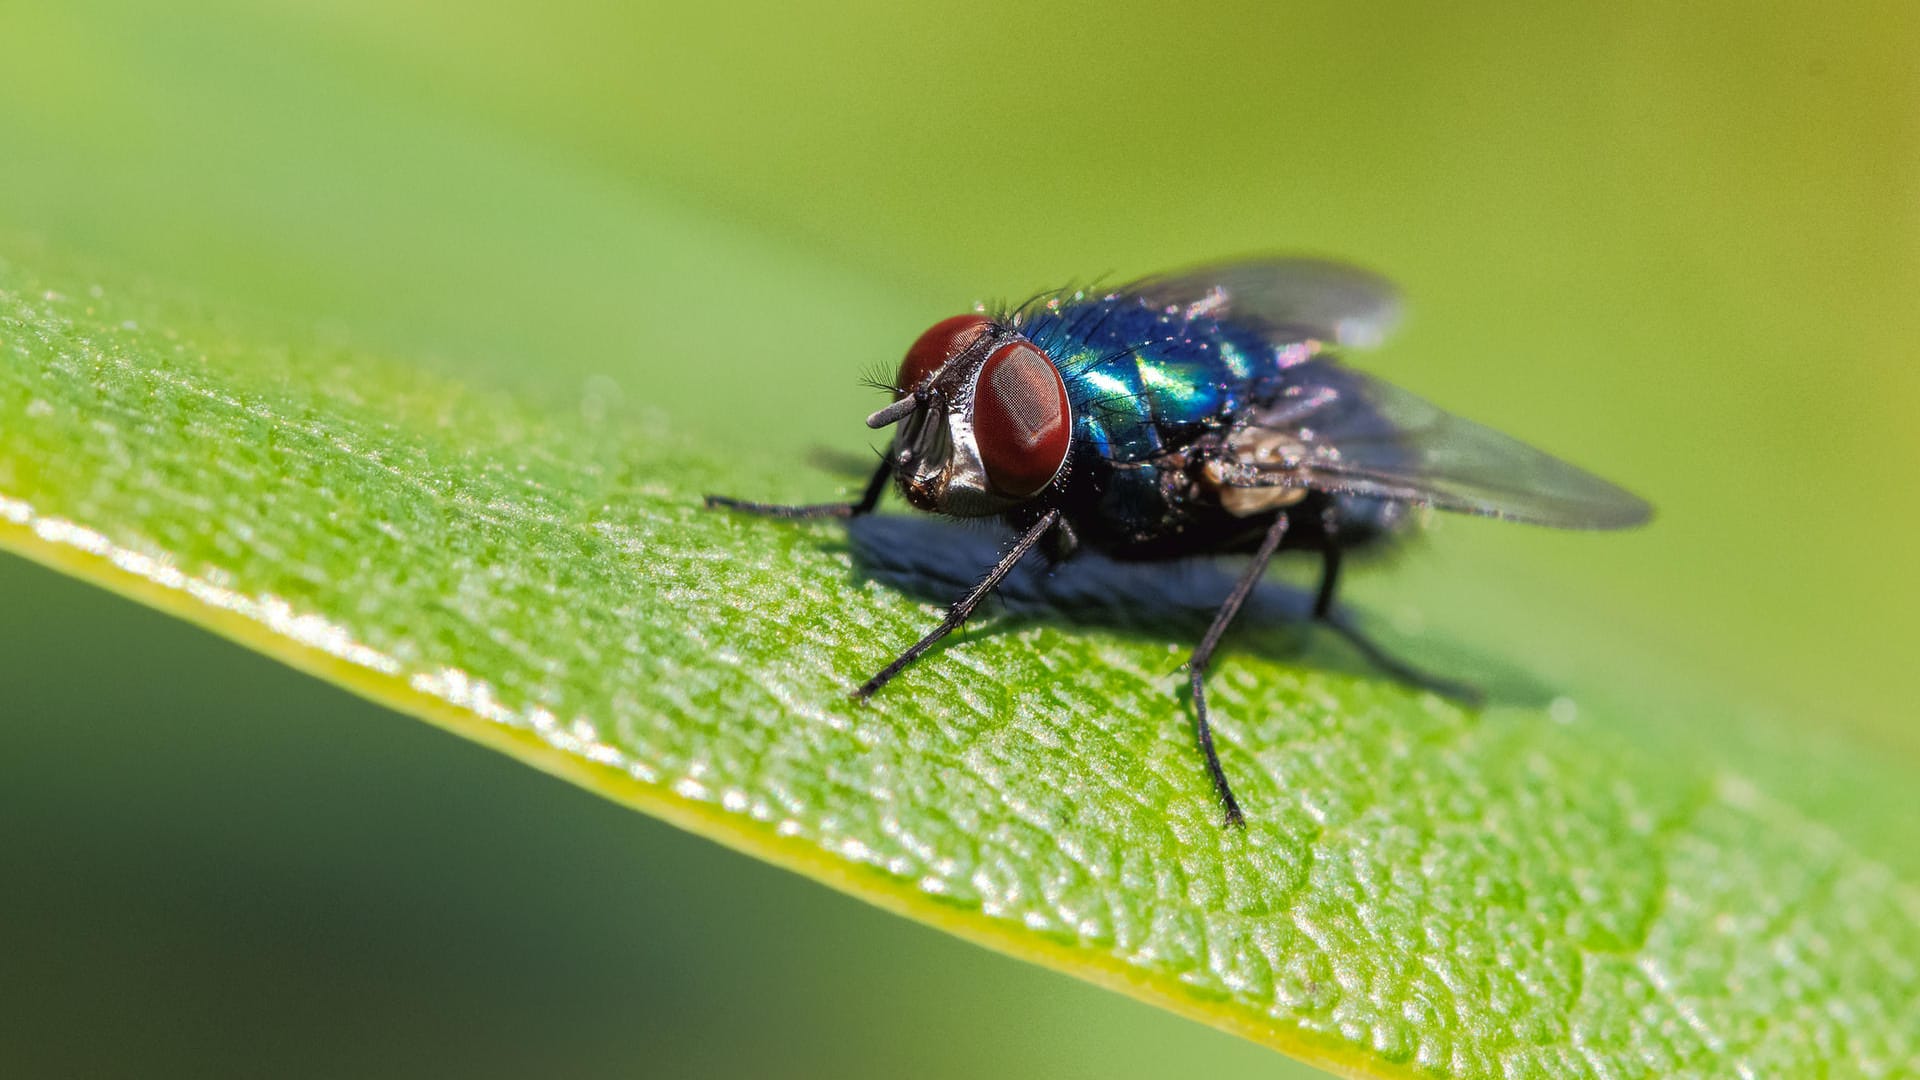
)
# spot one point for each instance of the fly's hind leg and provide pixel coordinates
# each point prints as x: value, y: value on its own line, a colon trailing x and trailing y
x: 1323, y: 612
x: 869, y: 499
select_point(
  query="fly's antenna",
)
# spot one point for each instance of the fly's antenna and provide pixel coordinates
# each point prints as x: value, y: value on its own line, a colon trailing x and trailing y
x: 897, y: 411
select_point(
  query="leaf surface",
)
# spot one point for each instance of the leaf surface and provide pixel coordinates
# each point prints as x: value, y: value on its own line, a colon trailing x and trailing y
x: 1421, y: 890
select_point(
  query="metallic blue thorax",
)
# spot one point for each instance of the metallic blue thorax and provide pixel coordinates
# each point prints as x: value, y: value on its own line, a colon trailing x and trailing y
x: 1145, y: 384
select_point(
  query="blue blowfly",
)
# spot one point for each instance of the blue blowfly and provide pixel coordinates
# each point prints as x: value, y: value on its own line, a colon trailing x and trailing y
x: 1189, y: 414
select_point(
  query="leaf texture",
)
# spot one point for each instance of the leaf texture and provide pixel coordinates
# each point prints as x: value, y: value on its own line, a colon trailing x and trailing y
x: 1421, y: 891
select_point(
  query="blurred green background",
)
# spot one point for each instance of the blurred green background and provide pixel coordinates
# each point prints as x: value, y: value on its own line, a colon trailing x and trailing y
x: 1681, y: 246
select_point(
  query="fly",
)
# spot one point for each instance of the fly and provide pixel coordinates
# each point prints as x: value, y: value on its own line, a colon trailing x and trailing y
x: 1199, y: 413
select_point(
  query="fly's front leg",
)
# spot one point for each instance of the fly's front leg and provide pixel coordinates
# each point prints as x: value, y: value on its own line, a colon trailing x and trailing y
x: 1465, y: 693
x: 964, y: 606
x: 869, y: 499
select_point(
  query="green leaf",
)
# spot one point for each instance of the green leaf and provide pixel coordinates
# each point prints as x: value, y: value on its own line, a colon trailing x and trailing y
x: 1420, y: 889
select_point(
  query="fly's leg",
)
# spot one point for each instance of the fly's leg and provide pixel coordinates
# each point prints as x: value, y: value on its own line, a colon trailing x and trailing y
x: 1197, y: 666
x: 1329, y: 567
x: 1465, y: 693
x: 869, y: 499
x: 964, y: 606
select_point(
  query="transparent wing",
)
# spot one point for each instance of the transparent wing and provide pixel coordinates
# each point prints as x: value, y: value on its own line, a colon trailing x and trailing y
x: 1342, y: 431
x: 1291, y: 298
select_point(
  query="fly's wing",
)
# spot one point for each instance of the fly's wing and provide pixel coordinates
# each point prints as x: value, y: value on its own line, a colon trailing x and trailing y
x: 1339, y: 430
x: 1291, y: 299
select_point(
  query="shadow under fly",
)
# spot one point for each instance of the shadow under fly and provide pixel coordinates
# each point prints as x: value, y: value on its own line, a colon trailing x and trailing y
x: 934, y: 560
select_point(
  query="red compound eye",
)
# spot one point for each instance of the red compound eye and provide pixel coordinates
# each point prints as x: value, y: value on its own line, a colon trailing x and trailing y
x: 942, y: 342
x: 1022, y: 422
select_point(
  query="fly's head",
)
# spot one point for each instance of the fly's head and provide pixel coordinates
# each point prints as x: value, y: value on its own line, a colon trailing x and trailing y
x: 984, y: 420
